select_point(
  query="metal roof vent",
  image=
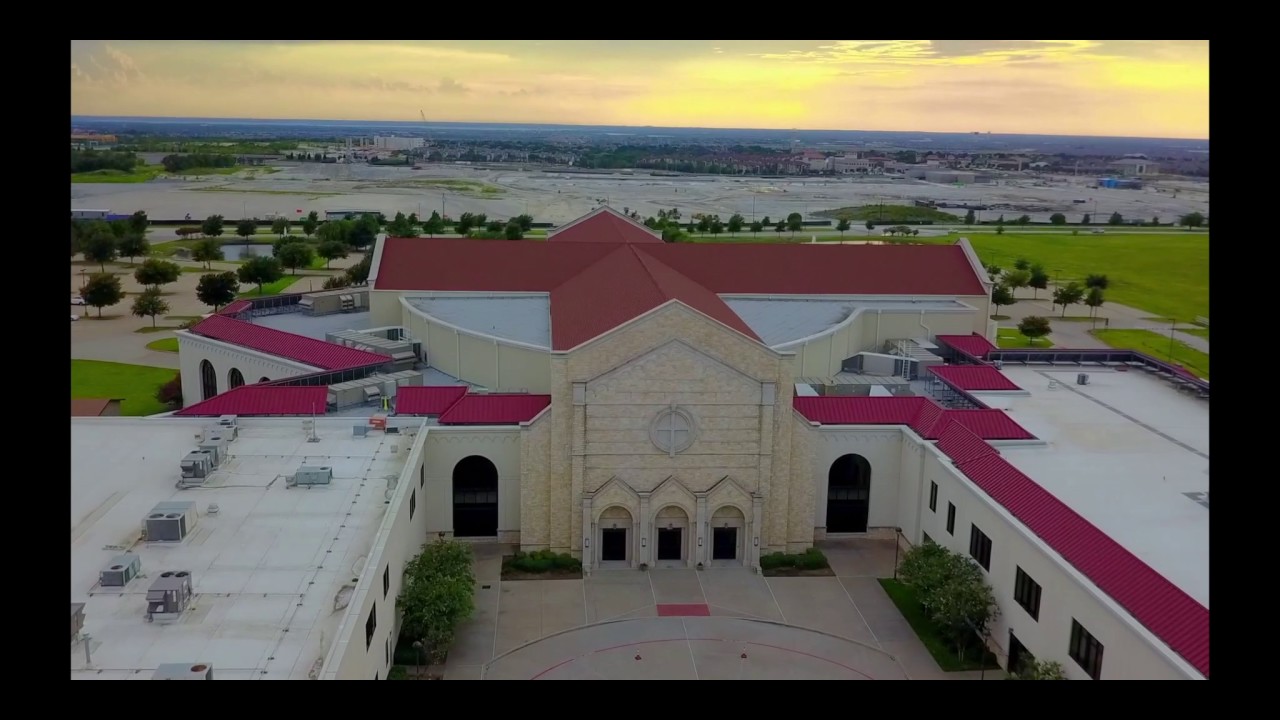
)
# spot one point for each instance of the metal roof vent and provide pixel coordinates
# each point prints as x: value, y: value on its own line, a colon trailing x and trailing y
x: 184, y: 671
x: 309, y: 475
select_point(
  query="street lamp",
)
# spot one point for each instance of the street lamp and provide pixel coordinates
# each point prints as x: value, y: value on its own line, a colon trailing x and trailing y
x: 897, y: 542
x: 417, y: 645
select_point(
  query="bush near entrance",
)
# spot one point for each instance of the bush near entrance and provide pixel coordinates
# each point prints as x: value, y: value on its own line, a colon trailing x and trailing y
x: 809, y: 563
x: 541, y: 565
x: 438, y: 595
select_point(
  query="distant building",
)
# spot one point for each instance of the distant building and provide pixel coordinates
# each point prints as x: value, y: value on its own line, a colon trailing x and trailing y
x: 398, y: 144
x: 948, y: 177
x: 1134, y: 167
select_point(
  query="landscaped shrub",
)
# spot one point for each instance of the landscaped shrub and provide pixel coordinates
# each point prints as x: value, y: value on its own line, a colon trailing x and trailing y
x: 170, y: 393
x: 541, y: 561
x: 952, y: 592
x: 437, y: 595
x: 811, y: 559
x: 1039, y: 670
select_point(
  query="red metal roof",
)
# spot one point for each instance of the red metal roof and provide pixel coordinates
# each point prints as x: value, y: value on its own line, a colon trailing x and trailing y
x: 236, y: 307
x: 962, y: 444
x: 974, y: 344
x: 495, y: 409
x: 604, y: 225
x: 921, y: 414
x: 308, y: 351
x: 251, y: 400
x: 973, y: 377
x: 986, y: 423
x: 428, y: 399
x: 1162, y: 607
x: 595, y: 286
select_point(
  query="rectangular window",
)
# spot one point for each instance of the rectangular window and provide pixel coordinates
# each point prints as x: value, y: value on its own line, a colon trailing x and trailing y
x: 980, y: 547
x: 370, y: 626
x: 951, y: 519
x: 933, y: 497
x: 1027, y: 593
x: 422, y: 476
x: 927, y: 540
x: 1086, y: 650
x: 413, y: 503
x: 386, y: 581
x: 388, y: 649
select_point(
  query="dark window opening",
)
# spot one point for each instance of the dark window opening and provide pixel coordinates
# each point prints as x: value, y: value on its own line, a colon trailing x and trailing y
x: 848, y: 494
x: 1086, y: 650
x: 980, y: 547
x: 422, y: 476
x: 951, y: 519
x: 928, y: 540
x: 475, y: 498
x: 370, y: 626
x: 386, y: 581
x: 208, y: 380
x: 1027, y: 593
x: 933, y: 497
x: 413, y: 503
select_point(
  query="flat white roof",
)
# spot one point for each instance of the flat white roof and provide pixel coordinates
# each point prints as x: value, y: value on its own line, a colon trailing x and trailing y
x: 779, y: 321
x: 1127, y: 451
x: 267, y: 569
x: 522, y: 318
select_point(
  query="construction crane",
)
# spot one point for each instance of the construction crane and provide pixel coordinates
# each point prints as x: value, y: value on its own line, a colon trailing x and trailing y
x: 427, y: 125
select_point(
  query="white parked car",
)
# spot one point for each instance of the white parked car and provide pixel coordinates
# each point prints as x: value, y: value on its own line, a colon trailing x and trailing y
x: 77, y: 300
x: 75, y: 318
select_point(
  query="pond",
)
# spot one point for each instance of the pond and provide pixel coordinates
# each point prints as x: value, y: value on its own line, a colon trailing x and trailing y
x: 243, y: 252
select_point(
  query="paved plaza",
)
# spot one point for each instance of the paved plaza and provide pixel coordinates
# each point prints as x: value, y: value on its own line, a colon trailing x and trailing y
x: 690, y: 624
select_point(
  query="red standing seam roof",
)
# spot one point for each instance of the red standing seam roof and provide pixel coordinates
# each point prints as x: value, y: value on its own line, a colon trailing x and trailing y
x: 986, y: 423
x: 604, y: 225
x: 495, y: 409
x: 927, y: 418
x: 235, y: 308
x: 308, y: 351
x: 253, y: 400
x: 974, y: 378
x: 974, y: 344
x: 428, y: 399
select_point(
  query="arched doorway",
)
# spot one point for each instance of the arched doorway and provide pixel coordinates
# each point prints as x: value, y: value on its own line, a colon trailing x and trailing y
x: 208, y: 380
x: 475, y: 498
x: 234, y: 379
x: 728, y: 532
x: 614, y: 538
x: 263, y: 379
x: 671, y: 537
x: 848, y: 494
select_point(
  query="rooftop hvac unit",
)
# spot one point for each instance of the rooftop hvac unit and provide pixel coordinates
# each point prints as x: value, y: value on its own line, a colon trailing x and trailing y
x: 216, y: 445
x: 120, y: 570
x: 360, y: 431
x: 372, y: 392
x: 230, y: 427
x: 196, y: 466
x: 999, y: 364
x: 184, y: 671
x: 313, y: 475
x: 1082, y: 379
x: 77, y: 620
x: 348, y: 303
x: 169, y: 594
x: 171, y: 521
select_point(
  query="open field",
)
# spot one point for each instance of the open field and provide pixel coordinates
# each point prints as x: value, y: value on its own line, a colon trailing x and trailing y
x: 890, y: 214
x: 279, y: 286
x: 169, y: 344
x: 135, y: 384
x: 463, y: 187
x: 1158, y: 347
x: 1012, y: 338
x: 147, y: 173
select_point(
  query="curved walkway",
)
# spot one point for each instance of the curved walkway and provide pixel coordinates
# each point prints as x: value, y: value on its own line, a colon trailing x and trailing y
x: 694, y: 648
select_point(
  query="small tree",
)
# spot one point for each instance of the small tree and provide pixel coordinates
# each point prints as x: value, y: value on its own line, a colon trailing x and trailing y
x: 493, y: 226
x: 735, y: 223
x: 512, y: 231
x: 1001, y: 295
x: 842, y: 226
x: 1039, y: 280
x: 102, y: 291
x: 336, y: 230
x: 437, y: 595
x: 1086, y: 219
x: 260, y: 271
x: 781, y: 227
x: 170, y: 393
x: 1034, y: 327
x: 400, y: 226
x: 212, y: 226
x: 465, y: 222
x: 363, y: 232
x: 1155, y: 221
x: 154, y: 272
x: 295, y: 255
x: 795, y: 222
x: 1116, y: 219
x: 1058, y: 219
x: 149, y: 304
x: 331, y: 250
x: 757, y: 226
x: 767, y: 222
x: 434, y: 225
x: 358, y: 274
x: 1094, y: 299
x: 310, y: 223
x: 1096, y: 281
x: 869, y: 225
x: 716, y: 226
x: 1068, y: 295
x: 525, y: 222
x: 336, y: 282
x: 999, y: 229
x: 951, y: 591
x: 138, y: 222
x: 246, y: 229
x: 217, y: 289
x: 132, y: 245
x: 970, y: 218
x: 1023, y: 220
x: 1022, y: 264
x: 280, y: 226
x: 207, y: 251
x: 1191, y: 220
x: 1016, y: 280
x: 1038, y: 670
x: 993, y: 272
x: 100, y: 247
x: 704, y: 224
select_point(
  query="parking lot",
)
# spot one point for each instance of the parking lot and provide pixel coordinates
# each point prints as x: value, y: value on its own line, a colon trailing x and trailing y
x: 690, y: 624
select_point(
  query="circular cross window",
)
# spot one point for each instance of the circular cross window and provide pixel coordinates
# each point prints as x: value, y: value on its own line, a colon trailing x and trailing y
x: 672, y: 431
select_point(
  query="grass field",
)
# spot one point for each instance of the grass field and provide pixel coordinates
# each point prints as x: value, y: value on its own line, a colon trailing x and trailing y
x: 1166, y: 274
x: 274, y: 288
x: 904, y: 597
x: 169, y: 344
x: 1157, y: 346
x: 140, y: 174
x: 889, y: 214
x: 136, y: 385
x: 462, y: 187
x: 1011, y: 338
x: 1198, y: 332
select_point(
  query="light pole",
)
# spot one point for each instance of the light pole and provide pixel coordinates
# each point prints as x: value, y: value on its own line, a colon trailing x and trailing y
x: 897, y: 543
x: 417, y: 645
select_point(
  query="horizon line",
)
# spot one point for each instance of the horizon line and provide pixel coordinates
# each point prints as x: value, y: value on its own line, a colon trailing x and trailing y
x: 638, y: 127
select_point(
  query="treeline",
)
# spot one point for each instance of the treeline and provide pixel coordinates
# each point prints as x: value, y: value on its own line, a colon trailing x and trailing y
x: 206, y: 146
x: 181, y: 163
x: 91, y: 160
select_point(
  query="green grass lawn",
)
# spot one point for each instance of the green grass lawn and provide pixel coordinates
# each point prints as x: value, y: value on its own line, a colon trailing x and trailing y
x: 140, y: 174
x: 1157, y: 346
x: 274, y: 288
x: 1011, y: 338
x: 1198, y: 332
x: 904, y: 597
x: 135, y: 384
x: 1166, y: 274
x: 169, y: 344
x: 889, y: 214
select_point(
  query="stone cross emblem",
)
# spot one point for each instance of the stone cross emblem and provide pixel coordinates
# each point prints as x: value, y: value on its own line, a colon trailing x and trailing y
x: 673, y: 431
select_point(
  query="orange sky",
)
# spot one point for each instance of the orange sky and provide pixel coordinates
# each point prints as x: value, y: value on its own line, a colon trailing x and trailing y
x: 1151, y: 88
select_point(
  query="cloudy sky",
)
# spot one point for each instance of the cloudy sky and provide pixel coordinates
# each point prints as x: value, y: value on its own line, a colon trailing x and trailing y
x: 1153, y: 88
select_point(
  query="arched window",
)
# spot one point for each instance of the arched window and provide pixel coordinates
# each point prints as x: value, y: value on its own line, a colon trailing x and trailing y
x: 475, y: 497
x: 208, y: 380
x: 263, y: 379
x: 234, y: 379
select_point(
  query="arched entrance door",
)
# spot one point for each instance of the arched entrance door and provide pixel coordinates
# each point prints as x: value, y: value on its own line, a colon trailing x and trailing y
x: 208, y: 380
x: 475, y: 498
x: 235, y: 379
x: 848, y: 494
